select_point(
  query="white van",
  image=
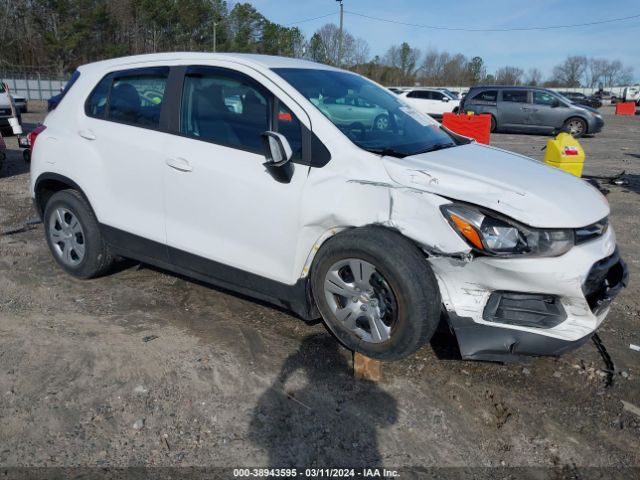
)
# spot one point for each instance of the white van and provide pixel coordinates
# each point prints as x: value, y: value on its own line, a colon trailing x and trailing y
x: 225, y: 168
x: 7, y: 108
x: 631, y: 94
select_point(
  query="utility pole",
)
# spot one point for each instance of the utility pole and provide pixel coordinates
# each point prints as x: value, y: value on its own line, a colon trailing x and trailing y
x: 340, y: 33
x: 215, y: 24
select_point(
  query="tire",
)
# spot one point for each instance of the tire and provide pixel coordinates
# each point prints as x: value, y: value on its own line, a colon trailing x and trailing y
x: 26, y: 155
x: 576, y: 126
x: 494, y: 125
x: 73, y: 235
x: 397, y: 286
x: 381, y: 122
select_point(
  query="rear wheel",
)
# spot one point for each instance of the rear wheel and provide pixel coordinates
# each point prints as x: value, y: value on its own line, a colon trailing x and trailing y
x: 577, y: 127
x: 376, y: 292
x: 74, y: 237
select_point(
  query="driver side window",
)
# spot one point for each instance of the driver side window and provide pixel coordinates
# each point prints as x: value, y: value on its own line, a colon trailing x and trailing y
x: 543, y: 98
x: 225, y: 109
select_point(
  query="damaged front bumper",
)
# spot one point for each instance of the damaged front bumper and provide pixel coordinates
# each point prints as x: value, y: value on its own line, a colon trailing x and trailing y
x: 502, y: 308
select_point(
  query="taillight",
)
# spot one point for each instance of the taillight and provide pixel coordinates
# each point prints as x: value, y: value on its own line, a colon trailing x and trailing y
x: 34, y: 134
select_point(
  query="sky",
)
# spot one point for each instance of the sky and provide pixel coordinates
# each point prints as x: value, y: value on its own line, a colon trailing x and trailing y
x: 525, y: 49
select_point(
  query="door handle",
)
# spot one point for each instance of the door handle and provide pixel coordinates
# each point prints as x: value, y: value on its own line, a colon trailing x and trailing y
x: 88, y: 134
x: 180, y: 164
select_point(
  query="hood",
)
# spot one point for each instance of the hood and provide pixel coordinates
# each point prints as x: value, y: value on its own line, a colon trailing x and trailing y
x: 514, y: 185
x: 590, y: 109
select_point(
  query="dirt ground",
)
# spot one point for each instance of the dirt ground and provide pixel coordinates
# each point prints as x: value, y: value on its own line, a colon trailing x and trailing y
x: 146, y: 368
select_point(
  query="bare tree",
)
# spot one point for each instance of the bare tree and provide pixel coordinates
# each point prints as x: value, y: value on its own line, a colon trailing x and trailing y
x: 509, y: 75
x: 404, y: 58
x: 534, y: 77
x: 323, y: 47
x: 571, y: 72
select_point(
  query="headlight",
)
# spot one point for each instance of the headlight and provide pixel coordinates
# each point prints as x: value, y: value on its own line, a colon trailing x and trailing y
x: 493, y: 234
x: 595, y: 115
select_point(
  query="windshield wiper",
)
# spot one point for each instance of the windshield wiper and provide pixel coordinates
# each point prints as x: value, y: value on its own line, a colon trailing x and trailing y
x: 387, y: 152
x: 437, y: 146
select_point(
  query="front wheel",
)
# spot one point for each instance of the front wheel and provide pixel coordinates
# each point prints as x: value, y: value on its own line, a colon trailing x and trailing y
x: 376, y: 292
x: 577, y: 127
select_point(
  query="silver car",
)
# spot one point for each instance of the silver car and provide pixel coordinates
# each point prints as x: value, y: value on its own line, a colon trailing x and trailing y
x: 531, y: 110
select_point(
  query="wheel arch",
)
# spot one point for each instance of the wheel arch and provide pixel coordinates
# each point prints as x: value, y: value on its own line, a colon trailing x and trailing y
x: 335, y: 231
x: 49, y: 183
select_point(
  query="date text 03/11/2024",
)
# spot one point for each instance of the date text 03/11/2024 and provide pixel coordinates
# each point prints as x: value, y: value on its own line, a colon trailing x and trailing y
x: 315, y: 473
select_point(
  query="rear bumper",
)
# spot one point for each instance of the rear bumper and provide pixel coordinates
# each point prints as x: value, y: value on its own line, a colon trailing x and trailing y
x: 500, y: 309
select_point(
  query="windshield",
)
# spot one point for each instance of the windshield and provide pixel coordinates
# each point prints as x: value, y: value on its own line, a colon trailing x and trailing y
x: 561, y: 96
x: 372, y: 117
x: 452, y: 94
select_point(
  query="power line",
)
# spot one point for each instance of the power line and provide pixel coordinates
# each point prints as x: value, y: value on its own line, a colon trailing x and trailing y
x: 311, y: 19
x: 514, y: 29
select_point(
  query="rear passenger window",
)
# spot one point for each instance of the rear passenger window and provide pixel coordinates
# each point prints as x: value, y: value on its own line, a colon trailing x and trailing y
x: 134, y: 98
x: 226, y: 109
x: 486, y: 96
x: 419, y: 94
x: 137, y: 100
x: 517, y: 96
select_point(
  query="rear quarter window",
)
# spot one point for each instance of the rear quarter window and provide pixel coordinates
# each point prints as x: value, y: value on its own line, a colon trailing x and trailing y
x: 485, y: 96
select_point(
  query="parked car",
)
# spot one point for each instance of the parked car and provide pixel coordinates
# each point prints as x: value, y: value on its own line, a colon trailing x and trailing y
x: 606, y: 97
x: 582, y: 99
x: 531, y: 109
x: 7, y: 108
x: 451, y: 93
x: 631, y: 94
x: 353, y: 112
x: 430, y: 101
x: 377, y: 231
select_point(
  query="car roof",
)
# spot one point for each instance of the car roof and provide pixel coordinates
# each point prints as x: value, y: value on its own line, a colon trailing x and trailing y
x: 253, y: 60
x: 511, y: 87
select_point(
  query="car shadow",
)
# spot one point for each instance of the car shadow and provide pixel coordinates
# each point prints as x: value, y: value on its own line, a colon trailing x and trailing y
x: 315, y: 413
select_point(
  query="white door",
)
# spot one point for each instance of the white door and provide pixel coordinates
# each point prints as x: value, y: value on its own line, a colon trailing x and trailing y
x: 421, y: 101
x: 222, y: 204
x: 123, y: 129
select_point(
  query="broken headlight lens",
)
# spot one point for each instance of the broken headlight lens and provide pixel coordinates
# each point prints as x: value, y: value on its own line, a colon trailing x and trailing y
x: 494, y: 234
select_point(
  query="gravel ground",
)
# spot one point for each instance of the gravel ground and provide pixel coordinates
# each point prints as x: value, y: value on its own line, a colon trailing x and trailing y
x: 146, y: 368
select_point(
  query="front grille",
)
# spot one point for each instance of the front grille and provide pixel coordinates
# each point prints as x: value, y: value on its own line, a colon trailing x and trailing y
x: 592, y: 231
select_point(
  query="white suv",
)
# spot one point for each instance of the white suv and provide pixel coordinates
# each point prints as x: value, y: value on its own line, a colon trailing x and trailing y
x: 431, y: 101
x: 223, y: 168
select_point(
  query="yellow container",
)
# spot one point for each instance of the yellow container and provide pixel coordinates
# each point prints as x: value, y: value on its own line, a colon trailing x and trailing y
x: 566, y: 153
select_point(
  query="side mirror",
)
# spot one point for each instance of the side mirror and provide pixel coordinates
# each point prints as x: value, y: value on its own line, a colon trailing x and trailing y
x: 277, y: 150
x: 555, y: 103
x: 445, y: 99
